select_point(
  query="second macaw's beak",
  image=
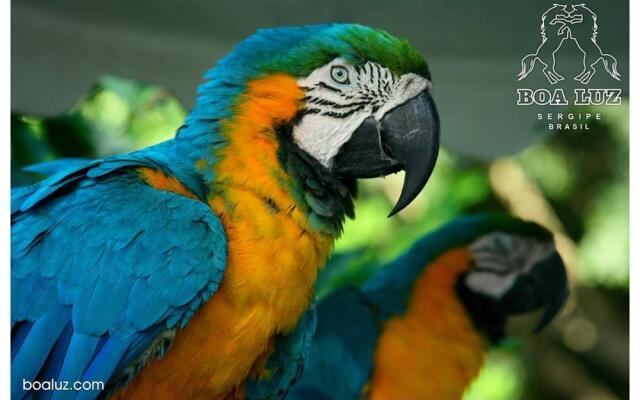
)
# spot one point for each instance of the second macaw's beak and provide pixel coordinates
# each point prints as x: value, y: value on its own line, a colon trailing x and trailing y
x: 406, y: 138
x: 545, y: 286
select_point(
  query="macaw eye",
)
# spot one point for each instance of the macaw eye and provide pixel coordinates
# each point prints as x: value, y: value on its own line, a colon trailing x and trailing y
x: 340, y: 74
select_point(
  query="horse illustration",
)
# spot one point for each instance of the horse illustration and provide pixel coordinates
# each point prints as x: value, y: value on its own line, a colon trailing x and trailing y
x: 559, y: 23
x: 585, y: 37
x: 554, y: 32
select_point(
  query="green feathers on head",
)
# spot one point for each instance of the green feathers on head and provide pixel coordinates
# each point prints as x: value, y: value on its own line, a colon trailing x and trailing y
x: 310, y: 47
x: 394, y: 53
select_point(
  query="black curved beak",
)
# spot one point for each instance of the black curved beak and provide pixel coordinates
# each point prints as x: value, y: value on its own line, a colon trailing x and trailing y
x: 407, y: 138
x: 545, y: 286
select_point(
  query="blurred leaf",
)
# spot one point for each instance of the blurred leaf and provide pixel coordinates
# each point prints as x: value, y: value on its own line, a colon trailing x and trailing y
x: 69, y: 135
x: 604, y: 250
x: 27, y: 147
x: 118, y: 115
x: 501, y: 378
x: 336, y: 273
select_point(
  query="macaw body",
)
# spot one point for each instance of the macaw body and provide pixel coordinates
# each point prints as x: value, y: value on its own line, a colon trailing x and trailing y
x: 420, y: 327
x: 173, y: 271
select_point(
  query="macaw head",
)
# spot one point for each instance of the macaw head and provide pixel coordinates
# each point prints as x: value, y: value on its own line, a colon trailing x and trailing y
x: 513, y: 273
x: 363, y: 103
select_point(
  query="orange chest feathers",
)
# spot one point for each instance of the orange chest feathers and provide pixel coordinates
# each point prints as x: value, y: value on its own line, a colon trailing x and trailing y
x: 273, y: 258
x: 433, y: 351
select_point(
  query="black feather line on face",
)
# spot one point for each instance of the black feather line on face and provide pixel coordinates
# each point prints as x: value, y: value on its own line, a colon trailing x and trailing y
x: 328, y: 87
x: 324, y: 102
x: 488, y: 315
x: 379, y: 79
x: 343, y: 115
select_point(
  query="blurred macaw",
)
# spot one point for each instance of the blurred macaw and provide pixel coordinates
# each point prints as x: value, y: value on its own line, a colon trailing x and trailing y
x: 170, y: 271
x: 419, y: 328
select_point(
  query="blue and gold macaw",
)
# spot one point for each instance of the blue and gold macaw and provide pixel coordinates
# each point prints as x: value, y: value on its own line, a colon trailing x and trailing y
x: 171, y: 272
x: 419, y: 328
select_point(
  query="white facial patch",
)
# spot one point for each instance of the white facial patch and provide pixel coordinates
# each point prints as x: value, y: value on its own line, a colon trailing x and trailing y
x: 500, y: 258
x: 340, y: 96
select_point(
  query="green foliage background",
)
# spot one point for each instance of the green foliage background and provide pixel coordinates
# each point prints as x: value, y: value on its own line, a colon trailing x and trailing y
x: 581, y: 176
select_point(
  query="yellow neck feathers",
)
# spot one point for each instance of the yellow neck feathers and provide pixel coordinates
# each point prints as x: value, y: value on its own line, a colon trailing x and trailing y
x: 249, y: 161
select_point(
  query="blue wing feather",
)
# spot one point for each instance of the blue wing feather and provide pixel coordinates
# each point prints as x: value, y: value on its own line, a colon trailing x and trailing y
x: 55, y: 359
x: 105, y: 364
x: 97, y: 250
x: 77, y: 358
x: 33, y: 352
x: 286, y: 363
x: 55, y: 166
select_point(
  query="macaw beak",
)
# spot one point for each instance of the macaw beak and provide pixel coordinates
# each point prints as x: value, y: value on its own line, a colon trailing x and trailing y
x: 406, y: 138
x: 545, y: 286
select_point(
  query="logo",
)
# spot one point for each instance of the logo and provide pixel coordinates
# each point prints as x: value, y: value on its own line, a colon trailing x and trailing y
x: 578, y: 24
x: 573, y: 25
